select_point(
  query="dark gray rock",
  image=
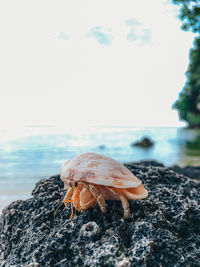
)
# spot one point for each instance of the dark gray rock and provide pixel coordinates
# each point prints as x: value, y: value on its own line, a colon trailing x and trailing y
x: 102, y: 147
x: 144, y: 143
x: 146, y: 163
x: 189, y: 171
x: 90, y: 230
x: 163, y: 231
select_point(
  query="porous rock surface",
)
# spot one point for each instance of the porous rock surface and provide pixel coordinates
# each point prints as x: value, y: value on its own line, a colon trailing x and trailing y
x: 163, y: 231
x: 189, y: 171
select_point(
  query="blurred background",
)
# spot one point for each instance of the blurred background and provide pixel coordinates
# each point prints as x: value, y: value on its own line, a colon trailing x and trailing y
x: 120, y: 78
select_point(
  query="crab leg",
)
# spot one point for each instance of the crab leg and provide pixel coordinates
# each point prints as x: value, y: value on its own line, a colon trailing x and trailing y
x: 86, y: 199
x: 100, y: 199
x: 68, y: 196
x: 76, y: 197
x: 124, y: 201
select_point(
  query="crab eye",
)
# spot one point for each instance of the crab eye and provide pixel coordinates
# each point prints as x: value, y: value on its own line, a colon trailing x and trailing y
x: 70, y: 184
x: 76, y: 184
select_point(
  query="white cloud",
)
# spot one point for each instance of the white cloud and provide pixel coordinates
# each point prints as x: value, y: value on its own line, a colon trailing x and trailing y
x: 102, y: 37
x: 139, y: 33
x: 132, y: 22
x: 63, y: 36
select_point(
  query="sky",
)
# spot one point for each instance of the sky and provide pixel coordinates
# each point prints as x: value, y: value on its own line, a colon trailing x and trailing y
x: 91, y: 62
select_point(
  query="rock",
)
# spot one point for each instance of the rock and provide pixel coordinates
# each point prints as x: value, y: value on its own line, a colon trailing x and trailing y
x: 144, y: 143
x: 90, y: 230
x: 146, y: 163
x: 124, y: 263
x: 102, y: 147
x: 189, y: 171
x: 34, y: 264
x: 164, y: 229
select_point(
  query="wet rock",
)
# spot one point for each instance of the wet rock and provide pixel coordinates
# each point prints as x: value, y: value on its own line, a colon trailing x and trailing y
x: 144, y: 143
x: 164, y: 229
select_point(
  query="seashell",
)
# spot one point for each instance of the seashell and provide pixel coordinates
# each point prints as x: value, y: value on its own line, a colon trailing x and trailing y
x: 91, y: 178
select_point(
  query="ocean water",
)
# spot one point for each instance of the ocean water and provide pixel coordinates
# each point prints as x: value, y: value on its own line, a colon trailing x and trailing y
x: 31, y: 153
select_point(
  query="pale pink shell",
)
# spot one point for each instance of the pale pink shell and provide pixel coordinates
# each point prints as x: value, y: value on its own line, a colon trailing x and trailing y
x: 98, y: 169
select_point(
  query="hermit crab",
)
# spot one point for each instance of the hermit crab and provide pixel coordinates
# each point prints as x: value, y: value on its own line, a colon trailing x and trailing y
x: 91, y: 177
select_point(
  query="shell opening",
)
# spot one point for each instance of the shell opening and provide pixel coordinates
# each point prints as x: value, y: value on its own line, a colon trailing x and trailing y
x: 138, y: 192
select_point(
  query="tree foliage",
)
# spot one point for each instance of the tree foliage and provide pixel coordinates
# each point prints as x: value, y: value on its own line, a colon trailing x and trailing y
x: 188, y: 104
x: 189, y: 14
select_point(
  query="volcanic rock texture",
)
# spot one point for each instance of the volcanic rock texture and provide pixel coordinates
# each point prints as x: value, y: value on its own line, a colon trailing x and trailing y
x: 163, y: 231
